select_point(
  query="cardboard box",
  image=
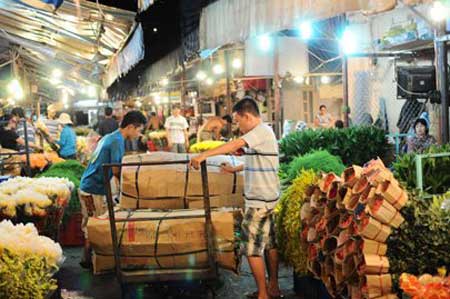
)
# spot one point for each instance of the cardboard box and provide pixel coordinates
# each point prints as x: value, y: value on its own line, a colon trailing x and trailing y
x: 178, y: 239
x: 165, y: 186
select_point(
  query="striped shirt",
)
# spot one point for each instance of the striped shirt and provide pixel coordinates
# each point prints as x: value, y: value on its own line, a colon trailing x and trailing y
x: 262, y: 186
x: 53, y: 128
x: 31, y: 133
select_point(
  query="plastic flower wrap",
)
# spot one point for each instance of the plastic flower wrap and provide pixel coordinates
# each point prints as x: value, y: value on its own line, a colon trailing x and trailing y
x: 205, y: 146
x: 27, y: 262
x: 24, y: 240
x: 34, y: 195
x: 426, y: 286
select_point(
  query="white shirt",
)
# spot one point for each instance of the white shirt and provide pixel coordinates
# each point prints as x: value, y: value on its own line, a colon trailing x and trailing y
x: 261, y: 183
x: 176, y: 127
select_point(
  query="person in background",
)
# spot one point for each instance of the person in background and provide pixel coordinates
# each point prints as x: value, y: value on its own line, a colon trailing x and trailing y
x: 8, y: 136
x: 154, y: 122
x: 261, y: 192
x: 212, y: 128
x: 339, y: 124
x: 51, y: 122
x: 177, y: 131
x: 323, y: 118
x: 19, y: 114
x: 422, y: 139
x: 109, y: 124
x: 68, y: 139
x: 110, y: 149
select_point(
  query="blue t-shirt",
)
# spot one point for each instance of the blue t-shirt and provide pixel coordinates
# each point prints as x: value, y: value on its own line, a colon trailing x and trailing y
x: 67, y: 142
x: 110, y: 149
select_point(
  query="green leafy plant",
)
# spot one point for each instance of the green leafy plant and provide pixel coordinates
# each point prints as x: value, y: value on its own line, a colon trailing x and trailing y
x: 421, y: 244
x: 316, y: 160
x: 71, y: 170
x: 288, y: 221
x: 25, y: 277
x: 355, y: 145
x: 436, y: 177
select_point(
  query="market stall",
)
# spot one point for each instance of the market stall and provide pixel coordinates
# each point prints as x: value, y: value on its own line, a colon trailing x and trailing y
x: 359, y: 230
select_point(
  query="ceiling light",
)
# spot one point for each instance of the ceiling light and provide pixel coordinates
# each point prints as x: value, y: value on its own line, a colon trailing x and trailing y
x: 209, y: 81
x: 237, y: 63
x: 201, y: 75
x: 299, y: 79
x: 325, y: 79
x: 164, y: 82
x: 218, y: 69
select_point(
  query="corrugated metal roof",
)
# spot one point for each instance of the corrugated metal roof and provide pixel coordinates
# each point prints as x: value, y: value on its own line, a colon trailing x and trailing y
x: 78, y: 39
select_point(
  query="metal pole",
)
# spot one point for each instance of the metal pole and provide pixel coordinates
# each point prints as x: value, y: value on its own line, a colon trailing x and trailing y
x: 183, y: 87
x: 228, y: 100
x: 442, y: 83
x: 112, y: 221
x: 277, y: 93
x: 27, y: 148
x: 345, y: 88
x: 208, y: 222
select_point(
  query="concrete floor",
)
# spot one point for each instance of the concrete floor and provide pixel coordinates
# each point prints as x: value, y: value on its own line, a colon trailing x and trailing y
x: 77, y: 283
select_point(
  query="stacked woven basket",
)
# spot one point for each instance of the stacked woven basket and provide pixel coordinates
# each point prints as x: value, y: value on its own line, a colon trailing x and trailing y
x: 347, y: 221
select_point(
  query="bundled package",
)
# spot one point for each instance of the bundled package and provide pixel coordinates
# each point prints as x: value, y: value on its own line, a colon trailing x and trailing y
x: 174, y: 239
x: 176, y: 186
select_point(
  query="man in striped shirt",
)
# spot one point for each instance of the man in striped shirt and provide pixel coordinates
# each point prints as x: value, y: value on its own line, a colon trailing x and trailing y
x: 261, y: 191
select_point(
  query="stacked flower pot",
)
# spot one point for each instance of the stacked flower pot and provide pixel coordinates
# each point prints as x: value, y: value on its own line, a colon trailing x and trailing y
x: 347, y: 221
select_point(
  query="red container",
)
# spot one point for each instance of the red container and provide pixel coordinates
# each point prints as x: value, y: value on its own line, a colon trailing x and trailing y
x: 70, y: 233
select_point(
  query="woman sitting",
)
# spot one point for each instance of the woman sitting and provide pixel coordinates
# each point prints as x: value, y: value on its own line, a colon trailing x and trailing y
x: 422, y: 139
x: 68, y: 139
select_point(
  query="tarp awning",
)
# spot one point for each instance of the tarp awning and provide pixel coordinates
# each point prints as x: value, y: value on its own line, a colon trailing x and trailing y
x: 79, y: 38
x: 129, y: 56
x: 230, y: 21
